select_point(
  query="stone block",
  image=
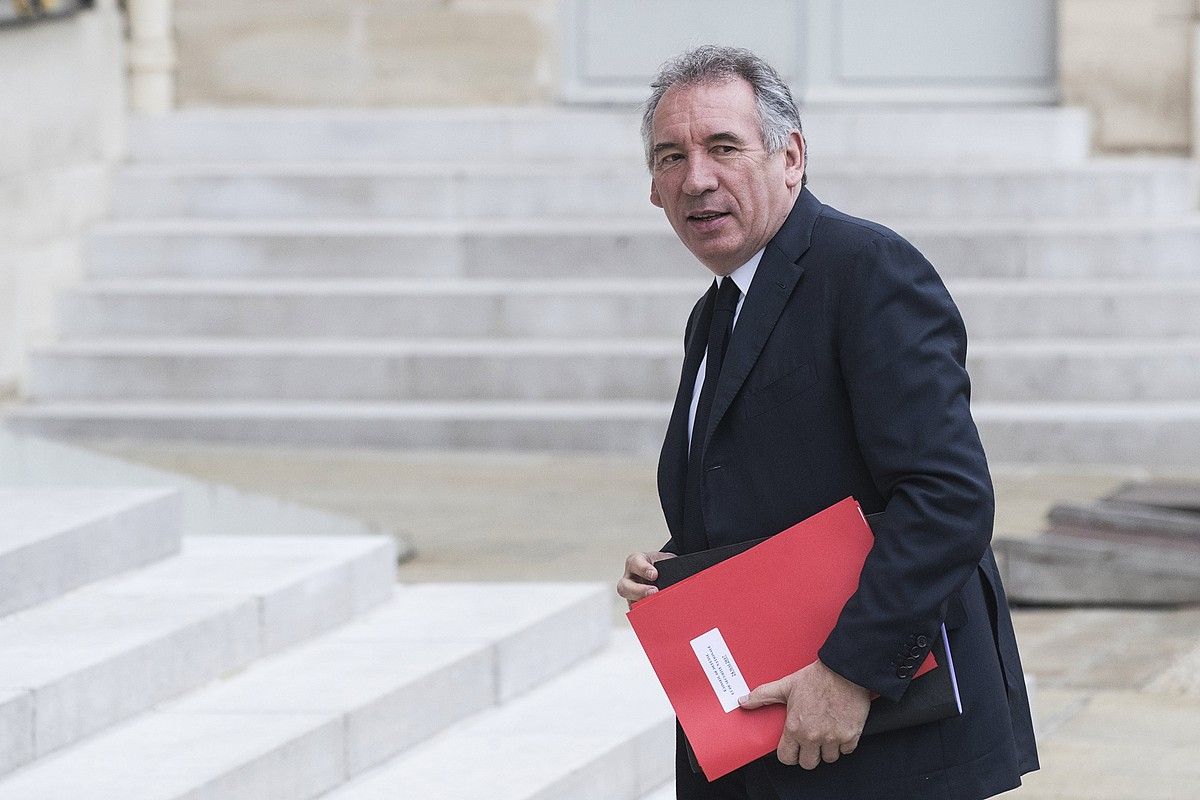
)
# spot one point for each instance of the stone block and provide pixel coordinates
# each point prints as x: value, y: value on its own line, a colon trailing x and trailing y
x: 220, y: 756
x: 302, y: 585
x: 92, y: 659
x: 16, y: 729
x: 389, y: 694
x: 609, y: 745
x: 53, y: 540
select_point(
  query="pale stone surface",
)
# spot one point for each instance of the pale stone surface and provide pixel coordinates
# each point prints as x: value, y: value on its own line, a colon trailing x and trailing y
x: 1104, y: 649
x: 389, y: 694
x: 1090, y: 770
x: 209, y: 508
x: 591, y: 753
x: 16, y: 729
x: 103, y: 653
x: 1053, y: 369
x: 1023, y: 135
x: 302, y: 585
x: 525, y: 249
x: 664, y: 792
x: 415, y: 311
x: 1139, y: 95
x: 56, y: 539
x: 63, y: 129
x: 432, y: 190
x: 219, y: 756
x: 1159, y: 435
x: 93, y: 659
x: 400, y: 52
x: 430, y: 656
x: 298, y: 723
x: 518, y: 618
x: 1181, y: 677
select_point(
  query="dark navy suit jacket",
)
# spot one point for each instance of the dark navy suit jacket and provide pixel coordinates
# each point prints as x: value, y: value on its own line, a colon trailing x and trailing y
x: 845, y: 376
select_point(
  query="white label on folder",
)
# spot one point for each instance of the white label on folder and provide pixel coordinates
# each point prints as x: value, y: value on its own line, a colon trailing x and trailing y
x: 719, y: 666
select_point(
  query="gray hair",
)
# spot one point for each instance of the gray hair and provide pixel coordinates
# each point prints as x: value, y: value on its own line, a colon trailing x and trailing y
x: 777, y: 114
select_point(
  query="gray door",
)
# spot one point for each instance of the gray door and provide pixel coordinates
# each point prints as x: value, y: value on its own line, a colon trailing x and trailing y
x: 830, y: 51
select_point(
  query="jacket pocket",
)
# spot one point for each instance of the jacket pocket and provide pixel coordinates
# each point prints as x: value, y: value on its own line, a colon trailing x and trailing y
x: 777, y: 391
x: 1003, y: 634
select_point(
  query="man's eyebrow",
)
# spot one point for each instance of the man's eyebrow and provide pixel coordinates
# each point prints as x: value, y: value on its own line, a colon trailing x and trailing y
x: 726, y: 136
x: 721, y: 136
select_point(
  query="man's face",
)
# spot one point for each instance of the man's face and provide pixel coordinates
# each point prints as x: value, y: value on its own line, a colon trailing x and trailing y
x: 724, y: 195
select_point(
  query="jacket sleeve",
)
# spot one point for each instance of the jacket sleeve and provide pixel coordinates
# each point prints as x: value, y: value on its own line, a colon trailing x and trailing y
x: 902, y: 349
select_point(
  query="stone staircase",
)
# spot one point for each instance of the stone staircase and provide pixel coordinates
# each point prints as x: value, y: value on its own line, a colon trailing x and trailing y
x: 142, y: 664
x: 461, y: 279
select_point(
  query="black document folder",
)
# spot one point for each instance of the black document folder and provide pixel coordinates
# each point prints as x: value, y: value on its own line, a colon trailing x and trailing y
x: 930, y: 697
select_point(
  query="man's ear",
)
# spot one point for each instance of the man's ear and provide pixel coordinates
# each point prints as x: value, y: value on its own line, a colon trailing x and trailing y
x: 654, y: 198
x: 794, y: 156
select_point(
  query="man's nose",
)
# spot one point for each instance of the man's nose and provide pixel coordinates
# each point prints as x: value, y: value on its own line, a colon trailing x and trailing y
x: 700, y: 177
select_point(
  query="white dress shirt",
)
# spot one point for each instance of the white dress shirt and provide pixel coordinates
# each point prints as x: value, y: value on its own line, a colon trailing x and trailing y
x: 742, y: 276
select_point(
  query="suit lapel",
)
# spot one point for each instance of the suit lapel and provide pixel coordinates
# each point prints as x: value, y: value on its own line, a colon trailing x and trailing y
x: 773, y: 283
x: 672, y: 462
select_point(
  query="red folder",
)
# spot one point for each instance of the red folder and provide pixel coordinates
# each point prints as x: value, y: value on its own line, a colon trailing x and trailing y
x: 772, y: 608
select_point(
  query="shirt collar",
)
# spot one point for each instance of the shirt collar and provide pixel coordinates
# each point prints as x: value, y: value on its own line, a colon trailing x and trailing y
x: 744, y: 274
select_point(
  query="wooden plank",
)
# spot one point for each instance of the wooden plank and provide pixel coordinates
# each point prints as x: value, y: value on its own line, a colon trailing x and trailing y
x: 1111, y: 520
x: 1179, y: 495
x: 1066, y: 570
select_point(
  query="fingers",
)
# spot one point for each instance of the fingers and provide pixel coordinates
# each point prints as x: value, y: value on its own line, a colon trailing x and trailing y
x: 639, y: 576
x: 764, y: 695
x: 788, y: 750
x: 639, y: 567
x: 632, y: 592
x: 809, y: 756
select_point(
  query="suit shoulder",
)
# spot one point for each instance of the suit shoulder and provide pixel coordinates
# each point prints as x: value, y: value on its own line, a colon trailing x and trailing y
x: 854, y: 232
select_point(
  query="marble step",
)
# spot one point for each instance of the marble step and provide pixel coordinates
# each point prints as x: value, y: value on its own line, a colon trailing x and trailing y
x: 1105, y: 188
x: 302, y: 722
x: 1147, y: 434
x: 381, y: 370
x: 592, y: 248
x: 304, y: 309
x: 110, y: 650
x: 602, y: 731
x: 55, y: 539
x: 1013, y: 134
x: 664, y: 792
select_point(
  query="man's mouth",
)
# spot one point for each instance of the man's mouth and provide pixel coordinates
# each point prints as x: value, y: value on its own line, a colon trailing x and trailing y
x: 706, y: 216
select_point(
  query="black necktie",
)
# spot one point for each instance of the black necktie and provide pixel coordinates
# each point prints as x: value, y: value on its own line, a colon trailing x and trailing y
x: 718, y: 339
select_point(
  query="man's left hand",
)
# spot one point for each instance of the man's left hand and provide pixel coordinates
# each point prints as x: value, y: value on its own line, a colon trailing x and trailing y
x: 825, y: 714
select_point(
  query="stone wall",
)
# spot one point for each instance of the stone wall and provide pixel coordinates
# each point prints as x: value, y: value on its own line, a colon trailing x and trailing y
x: 366, y: 52
x: 61, y: 129
x: 1130, y: 63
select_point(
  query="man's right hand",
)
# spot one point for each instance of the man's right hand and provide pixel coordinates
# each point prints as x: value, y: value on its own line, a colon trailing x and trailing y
x: 638, y: 580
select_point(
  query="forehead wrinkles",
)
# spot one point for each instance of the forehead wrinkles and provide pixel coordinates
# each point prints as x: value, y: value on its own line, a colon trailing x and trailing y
x: 696, y: 112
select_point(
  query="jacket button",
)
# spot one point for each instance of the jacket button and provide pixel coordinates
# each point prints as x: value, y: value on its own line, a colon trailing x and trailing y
x: 915, y: 651
x: 903, y: 672
x: 922, y: 641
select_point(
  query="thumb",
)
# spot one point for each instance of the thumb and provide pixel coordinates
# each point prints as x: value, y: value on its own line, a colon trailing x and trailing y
x: 765, y: 695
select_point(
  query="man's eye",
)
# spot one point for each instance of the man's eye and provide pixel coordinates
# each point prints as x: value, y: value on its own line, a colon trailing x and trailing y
x: 669, y: 158
x: 726, y: 149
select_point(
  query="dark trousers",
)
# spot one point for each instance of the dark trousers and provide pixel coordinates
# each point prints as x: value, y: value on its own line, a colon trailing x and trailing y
x: 747, y: 783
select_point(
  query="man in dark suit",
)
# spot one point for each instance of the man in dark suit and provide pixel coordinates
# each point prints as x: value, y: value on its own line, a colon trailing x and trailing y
x: 827, y: 361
